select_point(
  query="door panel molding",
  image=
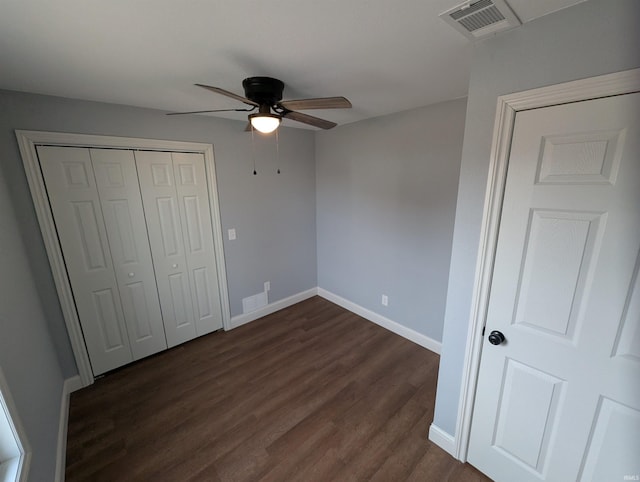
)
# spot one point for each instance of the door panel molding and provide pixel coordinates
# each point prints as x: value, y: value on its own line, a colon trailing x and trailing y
x: 507, y: 106
x: 27, y: 142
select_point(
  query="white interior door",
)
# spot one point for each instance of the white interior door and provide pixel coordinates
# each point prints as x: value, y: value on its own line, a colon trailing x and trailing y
x: 75, y: 204
x: 559, y: 400
x: 162, y: 211
x: 193, y: 196
x: 117, y: 182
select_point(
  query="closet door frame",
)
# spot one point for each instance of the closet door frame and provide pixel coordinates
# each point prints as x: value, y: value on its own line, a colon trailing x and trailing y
x: 28, y: 140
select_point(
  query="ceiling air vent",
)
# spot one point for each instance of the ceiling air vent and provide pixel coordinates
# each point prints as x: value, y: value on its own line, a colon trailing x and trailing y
x: 481, y: 19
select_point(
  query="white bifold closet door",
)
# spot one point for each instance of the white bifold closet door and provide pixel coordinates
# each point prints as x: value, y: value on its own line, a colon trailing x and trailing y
x: 176, y: 203
x: 136, y: 236
x: 95, y: 200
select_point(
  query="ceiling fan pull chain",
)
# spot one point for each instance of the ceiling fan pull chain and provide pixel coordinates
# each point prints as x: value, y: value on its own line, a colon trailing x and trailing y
x: 278, y: 150
x: 253, y: 151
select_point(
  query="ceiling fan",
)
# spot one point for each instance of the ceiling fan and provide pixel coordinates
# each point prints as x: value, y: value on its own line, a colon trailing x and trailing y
x: 265, y: 94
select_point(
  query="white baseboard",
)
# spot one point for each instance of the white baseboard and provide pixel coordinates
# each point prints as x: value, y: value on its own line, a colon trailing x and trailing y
x: 443, y: 440
x: 240, y: 320
x: 70, y: 385
x: 397, y: 328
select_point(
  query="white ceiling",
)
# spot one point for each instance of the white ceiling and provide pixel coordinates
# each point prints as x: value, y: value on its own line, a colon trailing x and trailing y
x: 384, y: 56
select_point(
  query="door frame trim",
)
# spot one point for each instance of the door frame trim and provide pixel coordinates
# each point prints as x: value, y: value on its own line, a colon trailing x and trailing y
x: 508, y: 106
x: 28, y: 140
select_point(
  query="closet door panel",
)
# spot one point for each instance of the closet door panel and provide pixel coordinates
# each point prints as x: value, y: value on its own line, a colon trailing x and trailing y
x: 157, y: 185
x: 105, y: 302
x: 193, y: 196
x: 180, y: 301
x: 75, y: 204
x: 117, y: 182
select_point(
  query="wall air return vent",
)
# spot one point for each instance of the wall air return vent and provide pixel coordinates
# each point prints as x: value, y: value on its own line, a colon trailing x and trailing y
x: 481, y: 18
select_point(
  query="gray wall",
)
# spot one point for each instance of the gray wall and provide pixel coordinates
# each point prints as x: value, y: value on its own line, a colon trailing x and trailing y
x: 386, y: 191
x: 27, y: 355
x: 274, y: 216
x: 592, y: 38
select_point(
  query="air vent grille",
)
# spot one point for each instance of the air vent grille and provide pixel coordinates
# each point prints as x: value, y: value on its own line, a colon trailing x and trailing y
x: 473, y: 8
x: 481, y: 18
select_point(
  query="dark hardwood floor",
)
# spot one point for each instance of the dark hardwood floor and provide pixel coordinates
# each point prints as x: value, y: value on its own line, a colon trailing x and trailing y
x: 311, y: 393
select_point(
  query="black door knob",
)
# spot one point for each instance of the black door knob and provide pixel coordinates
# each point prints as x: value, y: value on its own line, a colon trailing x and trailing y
x: 495, y: 337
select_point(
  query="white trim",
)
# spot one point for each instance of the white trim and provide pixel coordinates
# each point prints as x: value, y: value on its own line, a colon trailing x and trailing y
x: 19, y: 464
x: 70, y: 385
x: 617, y: 83
x: 397, y: 328
x: 411, y: 335
x: 507, y: 107
x: 503, y: 128
x: 442, y: 439
x: 27, y: 141
x: 245, y: 318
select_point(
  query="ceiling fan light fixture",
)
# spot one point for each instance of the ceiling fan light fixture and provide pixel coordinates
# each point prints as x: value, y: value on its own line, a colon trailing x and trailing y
x: 265, y: 123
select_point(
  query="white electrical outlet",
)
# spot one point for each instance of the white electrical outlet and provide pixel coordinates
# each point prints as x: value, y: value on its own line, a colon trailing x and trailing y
x: 232, y: 234
x: 267, y: 285
x: 385, y: 300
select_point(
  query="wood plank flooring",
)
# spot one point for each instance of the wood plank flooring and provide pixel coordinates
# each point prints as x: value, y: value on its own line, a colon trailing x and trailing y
x: 311, y: 393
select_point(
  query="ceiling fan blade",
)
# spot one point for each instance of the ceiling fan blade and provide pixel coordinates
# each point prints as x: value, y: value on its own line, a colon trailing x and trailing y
x: 207, y: 111
x: 218, y: 90
x: 319, y: 103
x: 309, y: 119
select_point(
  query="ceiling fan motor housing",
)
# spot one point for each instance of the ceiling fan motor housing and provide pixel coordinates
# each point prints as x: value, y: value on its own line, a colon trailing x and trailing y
x: 263, y: 90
